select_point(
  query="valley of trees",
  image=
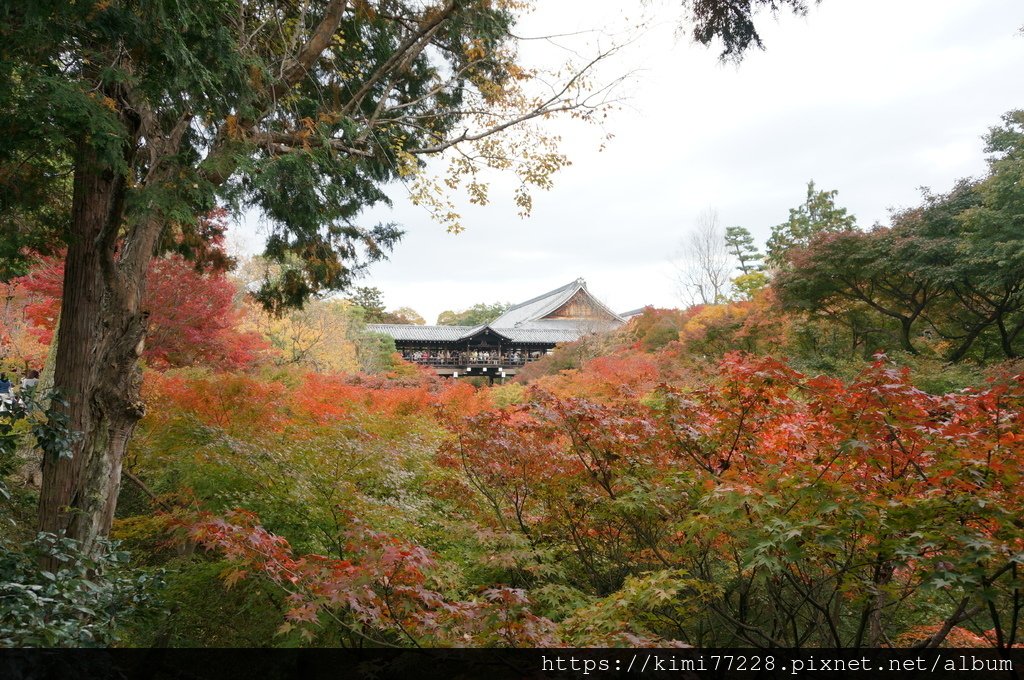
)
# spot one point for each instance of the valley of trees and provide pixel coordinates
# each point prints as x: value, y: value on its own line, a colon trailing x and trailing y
x: 826, y: 450
x: 294, y: 482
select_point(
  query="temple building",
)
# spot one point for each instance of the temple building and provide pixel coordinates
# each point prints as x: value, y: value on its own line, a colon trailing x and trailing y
x: 524, y: 333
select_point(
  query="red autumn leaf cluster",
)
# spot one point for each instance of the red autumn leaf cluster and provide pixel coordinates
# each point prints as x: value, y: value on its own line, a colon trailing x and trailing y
x: 848, y: 498
x: 193, y: 316
x: 381, y: 592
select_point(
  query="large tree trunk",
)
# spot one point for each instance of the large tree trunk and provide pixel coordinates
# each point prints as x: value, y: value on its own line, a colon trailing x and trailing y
x: 1006, y: 338
x: 97, y: 374
x: 880, y: 600
x: 961, y: 350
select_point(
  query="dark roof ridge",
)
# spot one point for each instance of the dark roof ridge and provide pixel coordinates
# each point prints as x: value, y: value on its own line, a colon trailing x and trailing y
x: 421, y: 325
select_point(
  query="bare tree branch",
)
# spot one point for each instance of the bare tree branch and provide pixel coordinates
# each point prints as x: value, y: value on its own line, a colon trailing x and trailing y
x: 297, y: 67
x: 703, y: 262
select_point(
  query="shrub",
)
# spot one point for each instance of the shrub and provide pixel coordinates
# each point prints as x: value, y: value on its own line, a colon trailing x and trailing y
x: 79, y: 605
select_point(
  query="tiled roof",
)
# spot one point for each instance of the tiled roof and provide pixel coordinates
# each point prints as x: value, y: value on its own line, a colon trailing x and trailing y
x: 540, y: 335
x: 524, y: 322
x: 538, y: 306
x: 411, y: 332
x: 454, y: 333
x: 582, y: 325
x: 542, y: 305
x: 633, y: 312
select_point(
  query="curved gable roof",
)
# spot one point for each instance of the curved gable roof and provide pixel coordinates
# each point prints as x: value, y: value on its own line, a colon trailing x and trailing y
x: 525, y: 322
x: 542, y: 305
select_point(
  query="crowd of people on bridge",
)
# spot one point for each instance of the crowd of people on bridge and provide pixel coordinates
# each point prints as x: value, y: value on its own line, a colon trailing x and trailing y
x: 9, y: 395
x: 457, y: 358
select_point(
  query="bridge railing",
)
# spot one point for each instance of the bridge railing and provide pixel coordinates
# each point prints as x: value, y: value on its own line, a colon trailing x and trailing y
x: 468, y: 360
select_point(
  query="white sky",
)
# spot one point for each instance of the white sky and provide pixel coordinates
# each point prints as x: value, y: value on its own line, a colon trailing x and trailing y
x: 875, y: 98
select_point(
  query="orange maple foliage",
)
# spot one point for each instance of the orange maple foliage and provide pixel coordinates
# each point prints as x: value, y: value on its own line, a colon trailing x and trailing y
x: 193, y: 316
x: 924, y: 487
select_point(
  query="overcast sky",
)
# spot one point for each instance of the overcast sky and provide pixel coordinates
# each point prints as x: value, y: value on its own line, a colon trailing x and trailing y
x: 874, y: 98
